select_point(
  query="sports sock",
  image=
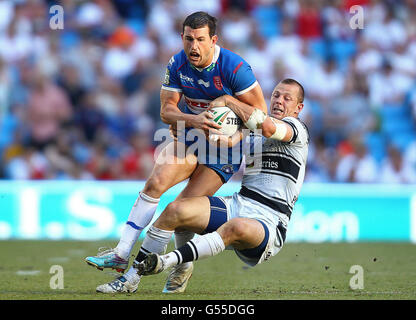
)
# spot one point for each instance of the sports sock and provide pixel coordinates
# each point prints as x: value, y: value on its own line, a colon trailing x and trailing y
x: 132, y: 276
x: 140, y: 216
x: 207, y: 245
x: 156, y: 240
x: 181, y: 238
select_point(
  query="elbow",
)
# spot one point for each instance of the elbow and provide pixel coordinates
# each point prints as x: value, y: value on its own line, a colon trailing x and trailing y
x: 164, y: 117
x: 268, y: 131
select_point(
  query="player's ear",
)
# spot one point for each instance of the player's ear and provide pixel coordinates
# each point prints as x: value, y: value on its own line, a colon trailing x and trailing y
x: 299, y: 107
x: 214, y: 40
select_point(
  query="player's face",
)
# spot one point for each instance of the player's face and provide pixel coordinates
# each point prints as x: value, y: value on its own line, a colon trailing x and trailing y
x: 285, y: 101
x: 198, y: 46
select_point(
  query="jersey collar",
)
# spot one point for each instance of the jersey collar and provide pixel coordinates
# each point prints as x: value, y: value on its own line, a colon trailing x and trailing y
x: 214, y: 60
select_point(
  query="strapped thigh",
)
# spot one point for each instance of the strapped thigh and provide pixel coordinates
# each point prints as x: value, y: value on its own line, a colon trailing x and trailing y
x: 218, y: 215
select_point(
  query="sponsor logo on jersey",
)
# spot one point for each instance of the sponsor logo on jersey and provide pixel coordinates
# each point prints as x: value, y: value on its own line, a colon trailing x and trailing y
x: 277, y: 163
x: 217, y: 82
x: 205, y: 84
x: 166, y: 80
x: 196, y: 103
x: 270, y: 164
x: 185, y: 78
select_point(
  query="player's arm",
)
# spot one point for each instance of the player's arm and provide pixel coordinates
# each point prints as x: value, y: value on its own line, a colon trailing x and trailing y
x: 254, y: 98
x: 220, y: 140
x: 171, y: 114
x: 255, y: 118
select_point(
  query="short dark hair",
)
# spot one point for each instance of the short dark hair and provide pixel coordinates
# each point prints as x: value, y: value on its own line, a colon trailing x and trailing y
x: 301, y: 89
x: 201, y: 19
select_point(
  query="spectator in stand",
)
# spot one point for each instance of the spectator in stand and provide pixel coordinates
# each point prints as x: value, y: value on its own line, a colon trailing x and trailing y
x: 100, y: 165
x: 383, y: 28
x: 286, y: 43
x: 396, y: 169
x: 16, y: 42
x: 69, y: 80
x: 5, y: 84
x: 326, y: 82
x: 308, y: 20
x: 48, y: 109
x: 236, y: 29
x: 30, y: 164
x: 388, y: 87
x: 258, y: 55
x: 104, y: 70
x: 340, y: 115
x: 139, y: 158
x: 357, y: 166
x: 119, y: 60
x: 368, y: 58
x: 412, y: 103
x: 89, y: 118
x: 321, y: 161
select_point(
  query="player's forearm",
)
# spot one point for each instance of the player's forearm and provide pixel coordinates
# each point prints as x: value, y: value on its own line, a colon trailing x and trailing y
x: 228, y: 141
x: 271, y: 127
x: 171, y: 115
x: 241, y: 109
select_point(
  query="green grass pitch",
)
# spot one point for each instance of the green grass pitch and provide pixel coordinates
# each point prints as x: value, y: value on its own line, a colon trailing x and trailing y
x: 299, y: 271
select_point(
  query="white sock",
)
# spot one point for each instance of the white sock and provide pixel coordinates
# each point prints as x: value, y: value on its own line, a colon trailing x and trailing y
x: 156, y: 240
x: 140, y: 216
x: 132, y: 276
x: 181, y: 238
x: 204, y: 246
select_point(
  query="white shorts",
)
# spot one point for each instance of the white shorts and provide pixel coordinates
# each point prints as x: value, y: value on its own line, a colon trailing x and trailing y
x: 276, y: 223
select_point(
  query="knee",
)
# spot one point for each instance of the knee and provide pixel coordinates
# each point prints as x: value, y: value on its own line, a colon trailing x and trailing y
x: 155, y: 186
x: 236, y: 229
x: 174, y: 213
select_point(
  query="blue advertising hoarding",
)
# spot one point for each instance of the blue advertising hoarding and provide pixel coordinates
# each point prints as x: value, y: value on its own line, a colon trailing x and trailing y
x: 95, y: 210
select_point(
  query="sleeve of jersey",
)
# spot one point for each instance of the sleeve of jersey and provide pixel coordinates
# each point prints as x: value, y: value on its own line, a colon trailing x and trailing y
x: 242, y: 78
x: 300, y: 132
x: 171, y: 80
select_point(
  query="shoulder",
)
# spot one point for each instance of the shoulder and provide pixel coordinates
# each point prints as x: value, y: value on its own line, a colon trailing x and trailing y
x: 171, y: 80
x: 300, y: 130
x: 177, y: 60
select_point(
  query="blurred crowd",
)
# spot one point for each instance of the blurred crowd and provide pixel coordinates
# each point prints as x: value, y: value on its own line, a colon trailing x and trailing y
x: 82, y: 102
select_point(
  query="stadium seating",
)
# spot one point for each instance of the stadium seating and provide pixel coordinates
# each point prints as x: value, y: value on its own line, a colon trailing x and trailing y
x: 268, y: 20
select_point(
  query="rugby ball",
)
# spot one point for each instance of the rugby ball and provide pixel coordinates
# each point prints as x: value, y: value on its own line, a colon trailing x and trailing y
x: 227, y: 119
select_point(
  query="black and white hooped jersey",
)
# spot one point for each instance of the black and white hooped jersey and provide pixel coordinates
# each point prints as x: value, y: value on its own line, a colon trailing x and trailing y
x: 274, y: 174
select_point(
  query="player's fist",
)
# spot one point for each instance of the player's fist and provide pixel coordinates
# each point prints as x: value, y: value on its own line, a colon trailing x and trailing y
x: 218, y: 102
x: 204, y: 121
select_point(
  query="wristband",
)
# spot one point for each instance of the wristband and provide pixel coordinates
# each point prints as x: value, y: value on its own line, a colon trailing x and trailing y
x: 256, y: 119
x: 281, y: 130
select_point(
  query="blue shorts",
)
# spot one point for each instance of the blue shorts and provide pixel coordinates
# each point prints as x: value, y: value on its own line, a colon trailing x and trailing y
x: 224, y: 161
x: 219, y: 216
